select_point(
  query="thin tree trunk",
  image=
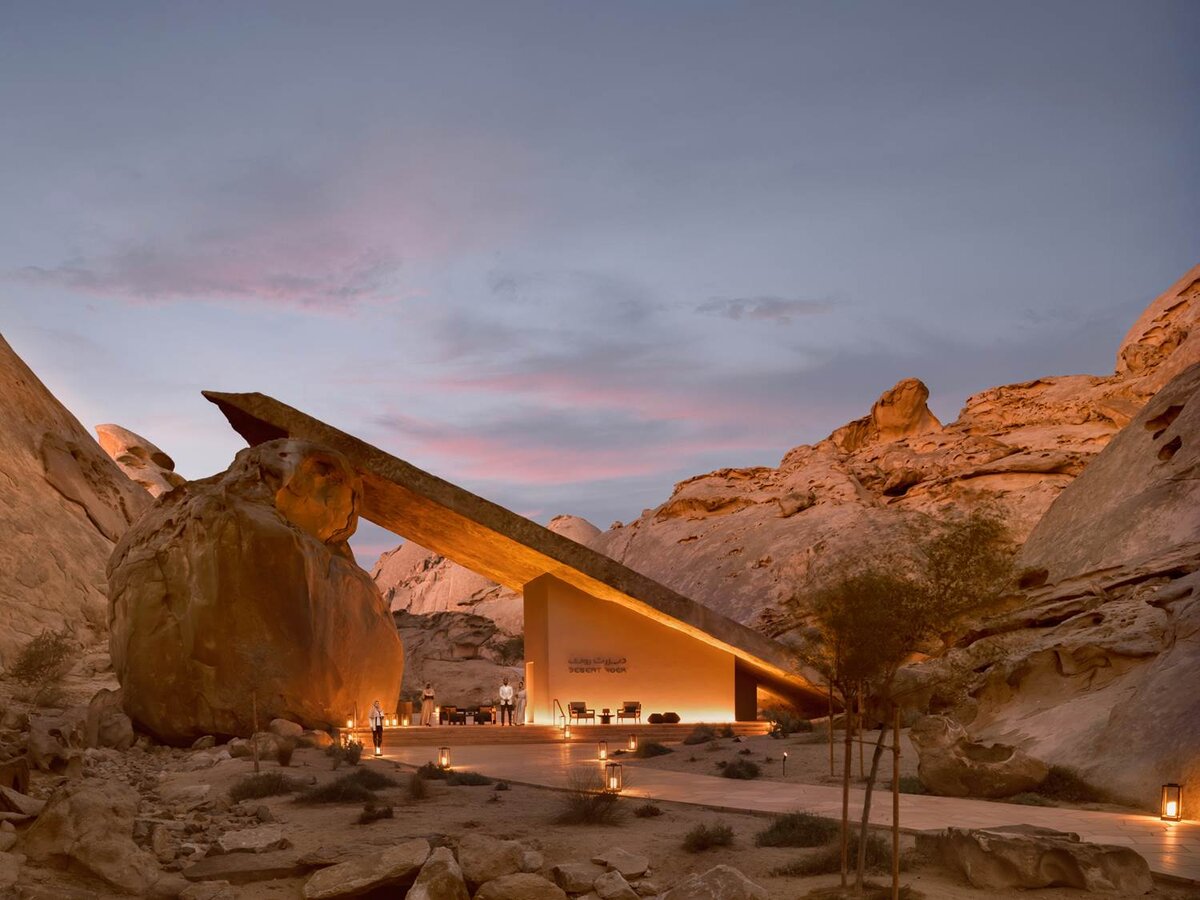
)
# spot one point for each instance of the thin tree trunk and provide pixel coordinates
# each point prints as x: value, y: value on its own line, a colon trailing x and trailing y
x: 895, y: 801
x: 832, y: 770
x: 866, y: 813
x: 859, y: 734
x: 848, y: 762
x: 254, y: 737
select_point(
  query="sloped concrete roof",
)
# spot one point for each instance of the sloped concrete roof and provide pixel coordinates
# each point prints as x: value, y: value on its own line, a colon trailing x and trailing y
x: 505, y: 547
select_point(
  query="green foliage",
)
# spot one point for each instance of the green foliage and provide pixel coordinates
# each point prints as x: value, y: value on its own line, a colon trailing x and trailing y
x: 967, y: 563
x: 828, y: 860
x: 797, y: 829
x: 742, y: 769
x: 705, y: 837
x: 585, y: 803
x: 372, y: 813
x: 268, y: 784
x: 1065, y: 785
x: 647, y: 811
x: 354, y: 751
x: 454, y: 778
x: 701, y: 734
x: 650, y: 749
x: 511, y: 651
x: 41, y: 665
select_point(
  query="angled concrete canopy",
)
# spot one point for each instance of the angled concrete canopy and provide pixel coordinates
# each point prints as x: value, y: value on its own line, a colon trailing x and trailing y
x: 506, y: 547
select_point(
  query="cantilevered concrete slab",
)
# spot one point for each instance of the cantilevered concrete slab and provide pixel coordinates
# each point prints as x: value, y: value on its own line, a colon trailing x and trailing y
x: 509, y: 548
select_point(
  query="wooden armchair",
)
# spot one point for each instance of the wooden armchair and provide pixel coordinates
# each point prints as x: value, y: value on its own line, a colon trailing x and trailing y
x: 630, y: 709
x: 579, y: 711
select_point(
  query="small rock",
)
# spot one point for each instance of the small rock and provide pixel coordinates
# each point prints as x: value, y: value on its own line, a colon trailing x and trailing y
x: 207, y: 742
x: 394, y: 867
x: 8, y: 840
x: 576, y: 877
x: 630, y: 865
x: 285, y: 729
x: 440, y: 879
x: 318, y: 740
x: 520, y: 886
x: 264, y: 815
x: 532, y: 861
x: 612, y: 886
x: 646, y: 888
x: 485, y: 858
x: 14, y: 801
x: 723, y: 882
x: 251, y: 840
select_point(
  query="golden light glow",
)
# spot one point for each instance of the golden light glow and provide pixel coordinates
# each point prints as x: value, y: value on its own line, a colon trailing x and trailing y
x: 444, y: 758
x: 566, y: 732
x: 633, y: 742
x: 612, y: 778
x: 1172, y: 803
x: 349, y: 723
x: 602, y: 751
x: 406, y: 721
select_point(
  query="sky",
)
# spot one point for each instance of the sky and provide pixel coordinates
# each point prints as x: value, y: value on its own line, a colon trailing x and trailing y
x: 567, y: 254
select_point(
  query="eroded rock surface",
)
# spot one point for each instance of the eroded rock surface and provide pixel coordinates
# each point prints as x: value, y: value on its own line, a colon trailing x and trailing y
x: 953, y: 765
x: 243, y: 582
x: 453, y: 651
x: 139, y: 459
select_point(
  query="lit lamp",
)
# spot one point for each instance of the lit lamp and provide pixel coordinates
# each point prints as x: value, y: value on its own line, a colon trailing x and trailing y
x: 444, y: 758
x: 602, y: 750
x: 349, y: 723
x: 612, y: 778
x: 784, y: 762
x: 632, y: 742
x: 1172, y: 803
x: 406, y: 721
x: 566, y: 732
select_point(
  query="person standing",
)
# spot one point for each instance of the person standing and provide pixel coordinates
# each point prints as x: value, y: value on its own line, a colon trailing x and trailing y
x: 376, y: 717
x: 506, y: 702
x: 522, y: 696
x: 427, y: 704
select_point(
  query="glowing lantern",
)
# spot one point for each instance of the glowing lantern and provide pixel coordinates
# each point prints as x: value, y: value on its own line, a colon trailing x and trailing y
x: 1172, y: 803
x: 566, y: 732
x: 349, y: 723
x: 406, y: 721
x: 602, y: 750
x: 444, y: 758
x: 632, y: 742
x: 612, y: 778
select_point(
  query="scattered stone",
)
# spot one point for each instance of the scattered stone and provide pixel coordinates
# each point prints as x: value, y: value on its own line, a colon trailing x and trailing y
x: 318, y: 740
x: 89, y: 826
x: 245, y: 868
x: 485, y: 858
x: 576, y: 877
x: 285, y: 728
x: 159, y: 840
x: 264, y: 815
x: 646, y: 888
x: 8, y: 840
x: 394, y: 867
x: 630, y: 865
x: 204, y: 742
x: 10, y: 868
x: 952, y: 765
x: 613, y: 886
x: 106, y: 724
x: 251, y: 840
x: 440, y: 879
x: 208, y: 890
x: 532, y: 861
x: 1025, y: 857
x: 520, y: 886
x: 15, y: 801
x: 718, y: 883
x: 53, y: 741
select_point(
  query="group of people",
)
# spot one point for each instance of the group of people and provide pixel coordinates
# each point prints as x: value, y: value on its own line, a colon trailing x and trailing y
x: 511, y: 705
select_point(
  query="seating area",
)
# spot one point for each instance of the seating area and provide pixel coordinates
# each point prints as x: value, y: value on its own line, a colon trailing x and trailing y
x: 578, y: 711
x: 482, y: 715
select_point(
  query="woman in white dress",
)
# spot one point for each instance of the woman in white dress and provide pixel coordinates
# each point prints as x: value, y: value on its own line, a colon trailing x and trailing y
x: 522, y: 695
x: 427, y: 704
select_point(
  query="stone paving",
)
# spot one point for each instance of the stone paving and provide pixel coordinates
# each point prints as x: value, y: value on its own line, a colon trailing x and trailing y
x: 1171, y: 849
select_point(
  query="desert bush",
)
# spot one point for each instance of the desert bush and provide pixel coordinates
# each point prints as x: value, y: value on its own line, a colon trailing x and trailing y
x: 1029, y: 799
x: 705, y: 837
x: 350, y: 752
x: 647, y: 811
x: 785, y: 720
x: 726, y: 731
x: 418, y: 787
x: 502, y: 786
x: 431, y: 772
x: 284, y: 748
x: 372, y: 813
x: 511, y: 651
x: 911, y: 784
x: 741, y: 769
x: 650, y: 749
x: 797, y: 829
x: 456, y: 779
x: 701, y: 734
x: 346, y: 789
x: 268, y: 784
x: 41, y: 665
x: 584, y: 803
x: 828, y: 860
x: 372, y: 779
x: 354, y: 751
x: 1065, y: 784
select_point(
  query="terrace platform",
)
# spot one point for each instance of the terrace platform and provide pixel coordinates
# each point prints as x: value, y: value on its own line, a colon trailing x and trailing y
x: 476, y: 735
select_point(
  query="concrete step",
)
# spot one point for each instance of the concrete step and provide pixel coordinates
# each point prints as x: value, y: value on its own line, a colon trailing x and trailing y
x: 616, y: 735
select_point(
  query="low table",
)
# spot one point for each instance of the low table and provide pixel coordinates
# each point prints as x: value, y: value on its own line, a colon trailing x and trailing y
x: 605, y: 717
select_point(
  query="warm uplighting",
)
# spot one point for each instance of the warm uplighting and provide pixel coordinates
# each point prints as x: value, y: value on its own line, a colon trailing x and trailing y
x: 566, y: 732
x: 1172, y: 803
x: 612, y: 778
x: 349, y: 723
x: 784, y: 762
x: 602, y: 751
x: 632, y: 743
x: 444, y: 758
x: 405, y: 722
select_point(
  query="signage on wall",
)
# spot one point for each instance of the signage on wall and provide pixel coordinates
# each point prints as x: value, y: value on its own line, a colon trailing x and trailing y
x: 590, y: 665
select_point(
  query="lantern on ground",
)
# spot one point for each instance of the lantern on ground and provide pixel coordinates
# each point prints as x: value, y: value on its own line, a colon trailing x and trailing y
x: 602, y: 751
x: 1172, y: 803
x: 406, y: 721
x: 612, y: 778
x: 632, y: 743
x: 349, y: 723
x: 566, y: 732
x: 444, y: 758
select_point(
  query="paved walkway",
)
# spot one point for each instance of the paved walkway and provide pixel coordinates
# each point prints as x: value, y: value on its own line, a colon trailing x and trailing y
x: 1172, y: 850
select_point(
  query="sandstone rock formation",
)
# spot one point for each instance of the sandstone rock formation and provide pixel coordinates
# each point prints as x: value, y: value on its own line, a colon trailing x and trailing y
x: 744, y: 540
x: 63, y: 504
x: 139, y: 459
x: 241, y: 589
x: 450, y: 649
x: 420, y: 581
x: 952, y: 765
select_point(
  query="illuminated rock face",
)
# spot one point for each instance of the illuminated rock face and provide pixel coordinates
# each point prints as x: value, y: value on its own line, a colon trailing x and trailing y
x: 143, y: 462
x: 244, y: 582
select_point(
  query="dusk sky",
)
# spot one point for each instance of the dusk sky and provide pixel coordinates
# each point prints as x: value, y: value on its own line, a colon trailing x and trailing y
x: 566, y: 254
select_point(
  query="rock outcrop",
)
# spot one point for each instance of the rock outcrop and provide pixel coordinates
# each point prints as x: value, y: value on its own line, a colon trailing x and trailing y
x: 239, y: 590
x: 139, y: 459
x: 413, y: 579
x: 452, y: 651
x: 63, y: 504
x: 952, y: 765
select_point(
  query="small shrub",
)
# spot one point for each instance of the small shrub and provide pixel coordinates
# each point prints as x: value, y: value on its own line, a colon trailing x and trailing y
x: 372, y: 813
x: 254, y: 787
x: 742, y: 769
x: 283, y: 751
x: 797, y: 829
x: 372, y: 779
x: 586, y: 804
x: 41, y: 665
x: 418, y: 787
x: 344, y: 790
x: 785, y: 721
x: 705, y: 837
x: 493, y: 798
x: 1065, y: 784
x: 650, y: 749
x: 647, y: 811
x: 354, y: 751
x: 693, y: 758
x: 828, y: 859
x: 726, y: 731
x: 466, y: 778
x: 431, y: 772
x: 745, y: 752
x: 701, y: 734
x: 502, y: 786
x: 351, y: 753
x: 911, y: 784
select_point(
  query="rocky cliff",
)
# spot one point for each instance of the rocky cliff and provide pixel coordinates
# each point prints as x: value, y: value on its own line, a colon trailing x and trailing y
x: 63, y: 505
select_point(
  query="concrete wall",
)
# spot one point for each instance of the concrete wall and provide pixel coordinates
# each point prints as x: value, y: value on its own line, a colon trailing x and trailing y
x: 663, y: 668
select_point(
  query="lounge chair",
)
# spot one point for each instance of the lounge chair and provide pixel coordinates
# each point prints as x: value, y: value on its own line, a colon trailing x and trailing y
x: 579, y: 711
x: 631, y: 709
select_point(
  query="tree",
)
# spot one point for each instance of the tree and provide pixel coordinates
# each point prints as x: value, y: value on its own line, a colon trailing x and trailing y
x: 261, y: 666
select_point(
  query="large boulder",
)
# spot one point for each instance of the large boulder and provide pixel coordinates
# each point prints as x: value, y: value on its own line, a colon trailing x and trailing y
x: 240, y: 590
x: 440, y: 879
x: 106, y: 724
x: 63, y: 504
x: 139, y: 459
x: 953, y: 765
x: 484, y: 858
x: 395, y: 868
x: 718, y: 883
x: 521, y: 886
x: 88, y: 828
x: 1023, y: 857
